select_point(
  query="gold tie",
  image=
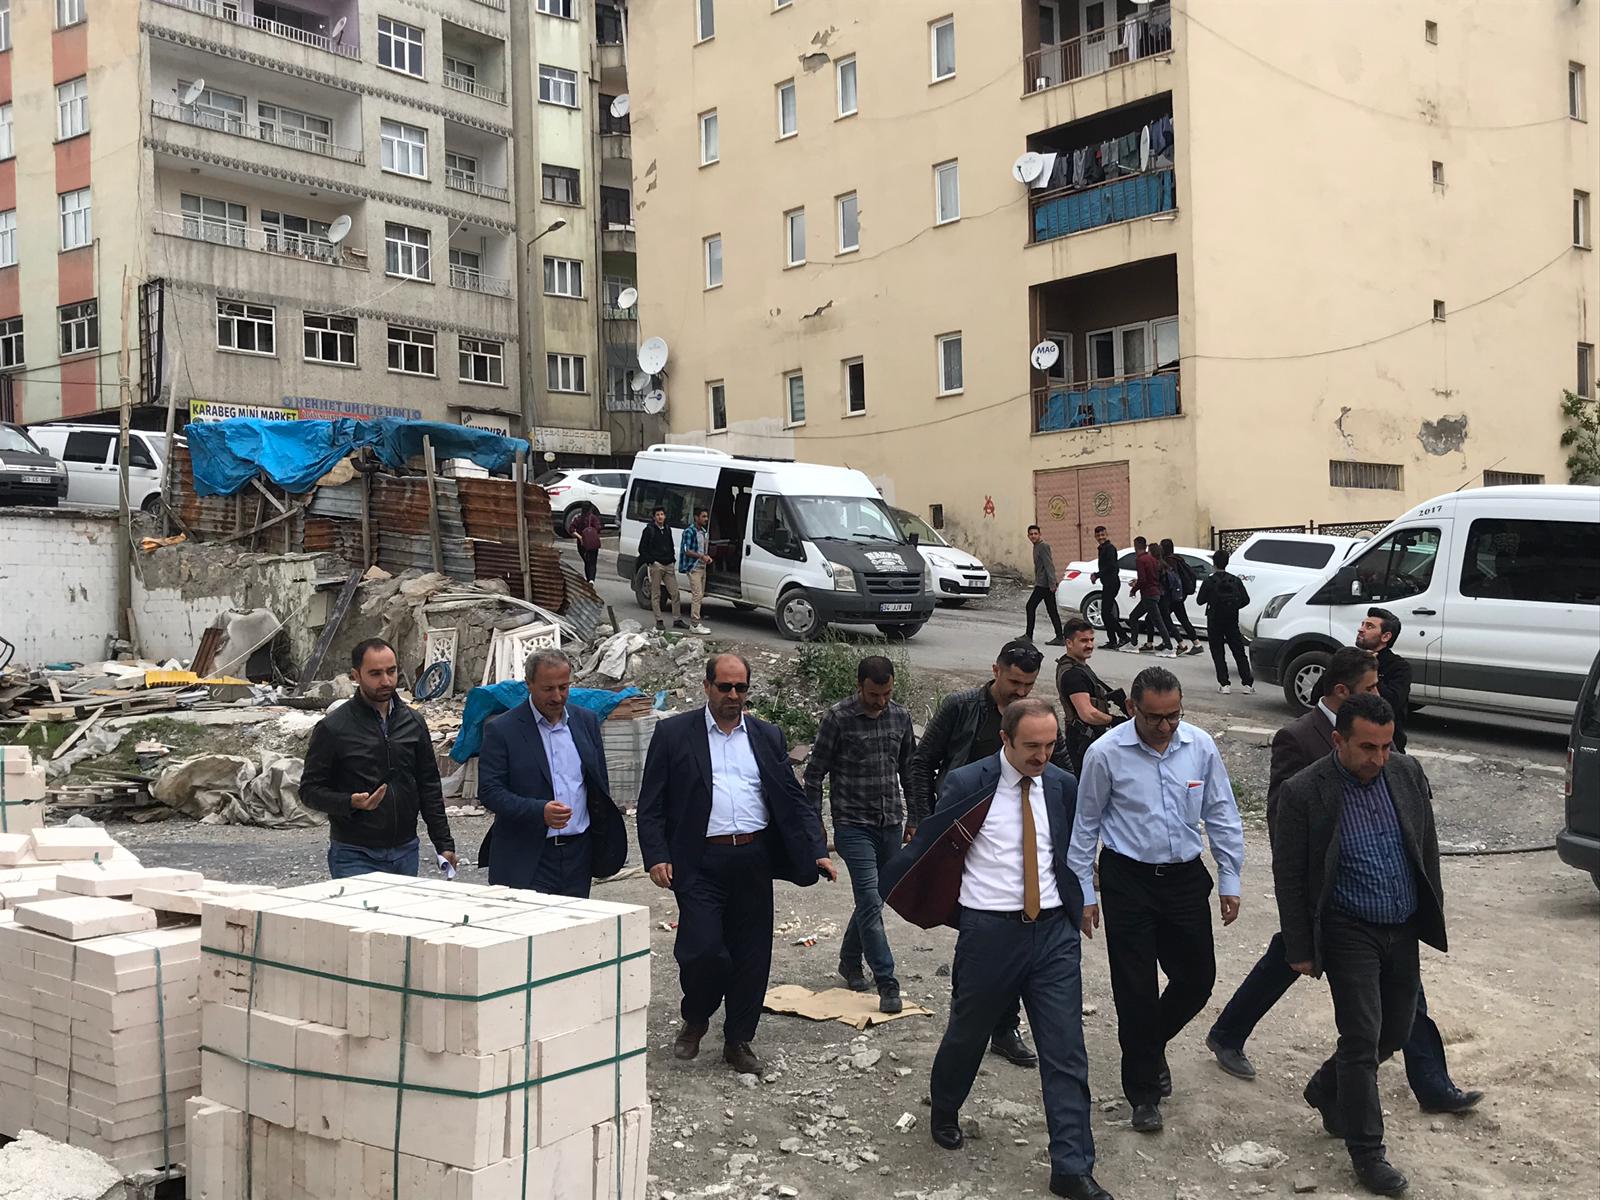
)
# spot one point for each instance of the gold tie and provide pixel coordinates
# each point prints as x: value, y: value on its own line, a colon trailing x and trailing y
x: 1030, y: 857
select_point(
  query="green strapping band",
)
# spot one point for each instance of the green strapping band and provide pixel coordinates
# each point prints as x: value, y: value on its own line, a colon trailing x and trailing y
x: 400, y: 1077
x: 527, y: 1062
x: 161, y: 1053
x: 616, y: 1024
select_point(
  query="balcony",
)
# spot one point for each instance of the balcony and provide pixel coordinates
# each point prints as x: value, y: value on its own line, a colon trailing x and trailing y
x: 470, y: 279
x: 1095, y: 51
x: 1067, y: 211
x: 243, y: 12
x: 1063, y: 406
x: 471, y: 87
x: 244, y: 237
x: 461, y: 181
x: 615, y: 147
x: 612, y: 312
x: 290, y: 138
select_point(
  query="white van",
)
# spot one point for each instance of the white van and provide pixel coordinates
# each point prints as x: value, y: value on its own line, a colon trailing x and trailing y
x: 1497, y: 591
x: 808, y: 543
x: 89, y: 452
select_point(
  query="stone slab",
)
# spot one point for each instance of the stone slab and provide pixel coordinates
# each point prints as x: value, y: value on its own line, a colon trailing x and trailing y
x: 78, y: 918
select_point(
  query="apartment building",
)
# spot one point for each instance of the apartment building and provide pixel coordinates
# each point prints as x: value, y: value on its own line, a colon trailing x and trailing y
x: 1165, y: 268
x: 327, y: 208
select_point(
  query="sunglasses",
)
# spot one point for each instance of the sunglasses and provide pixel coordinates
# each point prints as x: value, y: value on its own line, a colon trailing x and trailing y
x: 725, y: 688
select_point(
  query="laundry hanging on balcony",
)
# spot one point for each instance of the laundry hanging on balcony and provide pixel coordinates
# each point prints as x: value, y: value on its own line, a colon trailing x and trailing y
x: 1148, y: 147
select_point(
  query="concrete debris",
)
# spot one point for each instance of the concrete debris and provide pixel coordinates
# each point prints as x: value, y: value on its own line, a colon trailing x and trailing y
x: 35, y: 1167
x: 1247, y: 1156
x: 230, y: 789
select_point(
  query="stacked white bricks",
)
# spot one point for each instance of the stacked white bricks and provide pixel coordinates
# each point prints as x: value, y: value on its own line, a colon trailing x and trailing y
x: 505, y: 1092
x: 22, y: 787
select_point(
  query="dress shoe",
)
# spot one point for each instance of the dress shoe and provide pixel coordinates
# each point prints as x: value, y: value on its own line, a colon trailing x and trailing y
x: 1147, y: 1118
x: 1010, y: 1046
x: 854, y: 978
x: 687, y: 1044
x: 1378, y: 1176
x: 1109, y: 646
x: 1453, y: 1101
x: 1230, y: 1060
x: 946, y: 1129
x: 1078, y: 1187
x: 889, y: 997
x: 1330, y: 1115
x: 741, y: 1058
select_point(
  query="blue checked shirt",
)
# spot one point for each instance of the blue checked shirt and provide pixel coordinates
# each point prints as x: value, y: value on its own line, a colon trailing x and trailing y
x: 693, y: 541
x: 1374, y: 882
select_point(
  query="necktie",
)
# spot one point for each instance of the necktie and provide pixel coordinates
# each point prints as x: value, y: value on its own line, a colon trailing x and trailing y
x: 1030, y: 857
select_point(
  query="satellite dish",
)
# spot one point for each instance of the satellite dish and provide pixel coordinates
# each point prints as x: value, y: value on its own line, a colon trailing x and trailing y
x: 653, y: 356
x: 339, y: 230
x: 627, y: 297
x: 655, y: 401
x: 338, y: 28
x: 619, y: 106
x: 640, y: 384
x: 192, y: 93
x: 1027, y: 168
x: 1045, y: 354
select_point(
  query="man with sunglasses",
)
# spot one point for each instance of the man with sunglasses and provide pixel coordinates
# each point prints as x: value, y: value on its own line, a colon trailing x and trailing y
x: 721, y: 815
x: 1147, y: 788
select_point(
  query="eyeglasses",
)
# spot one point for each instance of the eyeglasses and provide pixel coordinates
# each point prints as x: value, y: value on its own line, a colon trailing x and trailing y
x: 1169, y: 719
x: 725, y: 688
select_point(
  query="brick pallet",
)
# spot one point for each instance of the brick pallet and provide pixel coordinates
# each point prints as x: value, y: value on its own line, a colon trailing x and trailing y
x: 22, y: 790
x: 385, y: 1038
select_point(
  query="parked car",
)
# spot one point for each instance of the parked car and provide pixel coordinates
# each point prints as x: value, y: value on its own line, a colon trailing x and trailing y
x: 1579, y: 843
x: 29, y: 474
x: 574, y: 491
x: 1498, y: 594
x: 957, y: 575
x: 89, y: 453
x: 1270, y: 564
x: 1079, y: 588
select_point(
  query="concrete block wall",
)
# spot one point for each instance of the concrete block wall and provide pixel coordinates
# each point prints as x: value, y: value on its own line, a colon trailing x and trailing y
x: 58, y: 584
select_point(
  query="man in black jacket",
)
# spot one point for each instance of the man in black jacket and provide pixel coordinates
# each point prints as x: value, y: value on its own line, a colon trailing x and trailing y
x: 660, y: 559
x: 1379, y: 632
x: 370, y: 767
x: 1109, y: 576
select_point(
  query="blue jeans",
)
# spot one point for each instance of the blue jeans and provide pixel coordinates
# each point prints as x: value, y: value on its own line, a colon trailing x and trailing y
x: 865, y: 849
x: 345, y: 860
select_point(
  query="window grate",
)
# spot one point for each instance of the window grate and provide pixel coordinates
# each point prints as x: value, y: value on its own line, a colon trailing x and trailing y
x: 1372, y: 476
x: 1510, y: 478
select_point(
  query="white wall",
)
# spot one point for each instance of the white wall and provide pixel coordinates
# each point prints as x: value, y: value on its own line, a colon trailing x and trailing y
x: 58, y: 584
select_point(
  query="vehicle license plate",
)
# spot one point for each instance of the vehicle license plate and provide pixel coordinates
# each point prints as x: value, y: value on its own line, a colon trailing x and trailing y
x: 906, y: 607
x: 36, y: 479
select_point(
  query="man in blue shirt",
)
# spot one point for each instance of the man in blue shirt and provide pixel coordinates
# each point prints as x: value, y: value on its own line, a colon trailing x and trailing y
x: 1147, y: 788
x: 694, y: 560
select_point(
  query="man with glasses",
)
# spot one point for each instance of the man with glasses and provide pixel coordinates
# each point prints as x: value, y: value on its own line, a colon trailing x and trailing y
x: 1147, y: 788
x: 721, y: 815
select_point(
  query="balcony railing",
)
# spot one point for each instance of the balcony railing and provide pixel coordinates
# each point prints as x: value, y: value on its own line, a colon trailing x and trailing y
x: 230, y: 11
x: 469, y: 85
x: 460, y: 181
x: 1098, y: 51
x: 1064, y: 406
x: 293, y: 139
x: 470, y: 279
x: 612, y: 312
x: 244, y: 237
x: 1059, y: 213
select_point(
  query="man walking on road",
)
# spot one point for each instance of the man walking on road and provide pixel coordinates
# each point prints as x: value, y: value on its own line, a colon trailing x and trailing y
x: 1044, y: 585
x: 1223, y: 594
x: 1355, y: 857
x: 656, y: 551
x: 587, y: 531
x: 1147, y: 586
x: 1109, y: 576
x: 1379, y: 633
x: 694, y: 560
x: 1147, y: 789
x: 863, y: 748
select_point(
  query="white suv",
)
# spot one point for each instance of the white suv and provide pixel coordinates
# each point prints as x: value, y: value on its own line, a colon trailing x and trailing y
x: 1270, y: 564
x: 574, y: 491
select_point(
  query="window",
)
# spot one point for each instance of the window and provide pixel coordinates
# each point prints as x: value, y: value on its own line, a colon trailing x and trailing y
x: 411, y: 351
x: 1510, y: 478
x: 849, y: 223
x: 212, y: 220
x: 794, y: 394
x: 69, y: 12
x: 772, y: 528
x: 1576, y: 95
x: 716, y: 400
x: 246, y: 328
x: 1311, y: 556
x: 466, y: 270
x: 288, y: 233
x: 1430, y: 32
x: 11, y: 343
x: 565, y: 372
x: 86, y: 446
x: 405, y: 149
x: 714, y: 261
x: 556, y: 8
x: 1397, y: 568
x: 399, y: 46
x: 855, y: 387
x: 777, y: 4
x: 563, y: 277
x: 614, y: 286
x: 616, y: 208
x: 844, y: 75
x: 292, y: 127
x: 947, y: 193
x: 1580, y: 220
x: 942, y: 44
x: 794, y: 223
x: 8, y: 145
x: 680, y: 500
x: 1438, y: 310
x: 1374, y: 476
x: 560, y: 184
x: 710, y: 150
x: 139, y: 454
x: 705, y: 13
x: 951, y: 373
x: 72, y: 108
x: 5, y: 24
x: 330, y: 340
x: 480, y: 361
x: 558, y: 86
x: 77, y: 219
x: 788, y: 110
x: 215, y: 109
x: 1533, y: 561
x: 80, y: 327
x: 8, y: 238
x: 461, y: 71
x: 1438, y: 174
x: 406, y: 253
x: 1586, y: 370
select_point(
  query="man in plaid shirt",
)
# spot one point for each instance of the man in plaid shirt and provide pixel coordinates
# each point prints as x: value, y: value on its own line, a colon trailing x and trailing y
x: 864, y: 747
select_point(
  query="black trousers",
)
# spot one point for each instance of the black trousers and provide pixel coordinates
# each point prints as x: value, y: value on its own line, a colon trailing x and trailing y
x: 1155, y: 915
x: 724, y: 945
x: 1111, y: 617
x: 1178, y: 618
x: 1372, y: 973
x: 1148, y: 614
x: 565, y: 866
x: 591, y: 560
x: 1003, y: 958
x: 1224, y: 634
x: 1049, y: 598
x: 1009, y: 1019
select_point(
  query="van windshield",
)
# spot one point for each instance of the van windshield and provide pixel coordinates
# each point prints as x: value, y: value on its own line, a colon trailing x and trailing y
x: 846, y: 518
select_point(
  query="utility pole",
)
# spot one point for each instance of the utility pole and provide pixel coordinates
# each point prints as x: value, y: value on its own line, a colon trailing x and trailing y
x: 125, y: 416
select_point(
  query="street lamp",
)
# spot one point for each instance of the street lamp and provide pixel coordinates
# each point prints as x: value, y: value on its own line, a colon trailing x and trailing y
x: 529, y: 414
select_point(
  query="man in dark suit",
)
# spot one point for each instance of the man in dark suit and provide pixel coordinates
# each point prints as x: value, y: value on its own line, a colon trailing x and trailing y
x: 1003, y: 881
x: 1379, y: 633
x: 721, y: 815
x: 542, y: 772
x: 1355, y: 856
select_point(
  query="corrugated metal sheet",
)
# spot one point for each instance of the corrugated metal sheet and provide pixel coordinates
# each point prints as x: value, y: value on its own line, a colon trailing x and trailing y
x: 490, y: 509
x: 342, y: 501
x: 584, y: 608
x: 402, y: 551
x: 500, y: 560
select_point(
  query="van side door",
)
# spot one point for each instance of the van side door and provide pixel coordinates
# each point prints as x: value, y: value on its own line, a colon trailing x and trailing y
x: 1404, y: 572
x: 92, y: 468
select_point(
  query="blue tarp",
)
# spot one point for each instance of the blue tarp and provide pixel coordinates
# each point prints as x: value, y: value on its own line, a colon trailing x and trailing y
x: 295, y: 454
x: 485, y: 702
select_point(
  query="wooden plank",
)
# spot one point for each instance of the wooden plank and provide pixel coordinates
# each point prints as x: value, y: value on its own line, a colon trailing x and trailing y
x: 72, y: 738
x: 518, y: 476
x: 433, y: 504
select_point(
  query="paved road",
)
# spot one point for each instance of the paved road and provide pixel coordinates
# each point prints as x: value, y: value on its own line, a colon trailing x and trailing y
x: 965, y: 640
